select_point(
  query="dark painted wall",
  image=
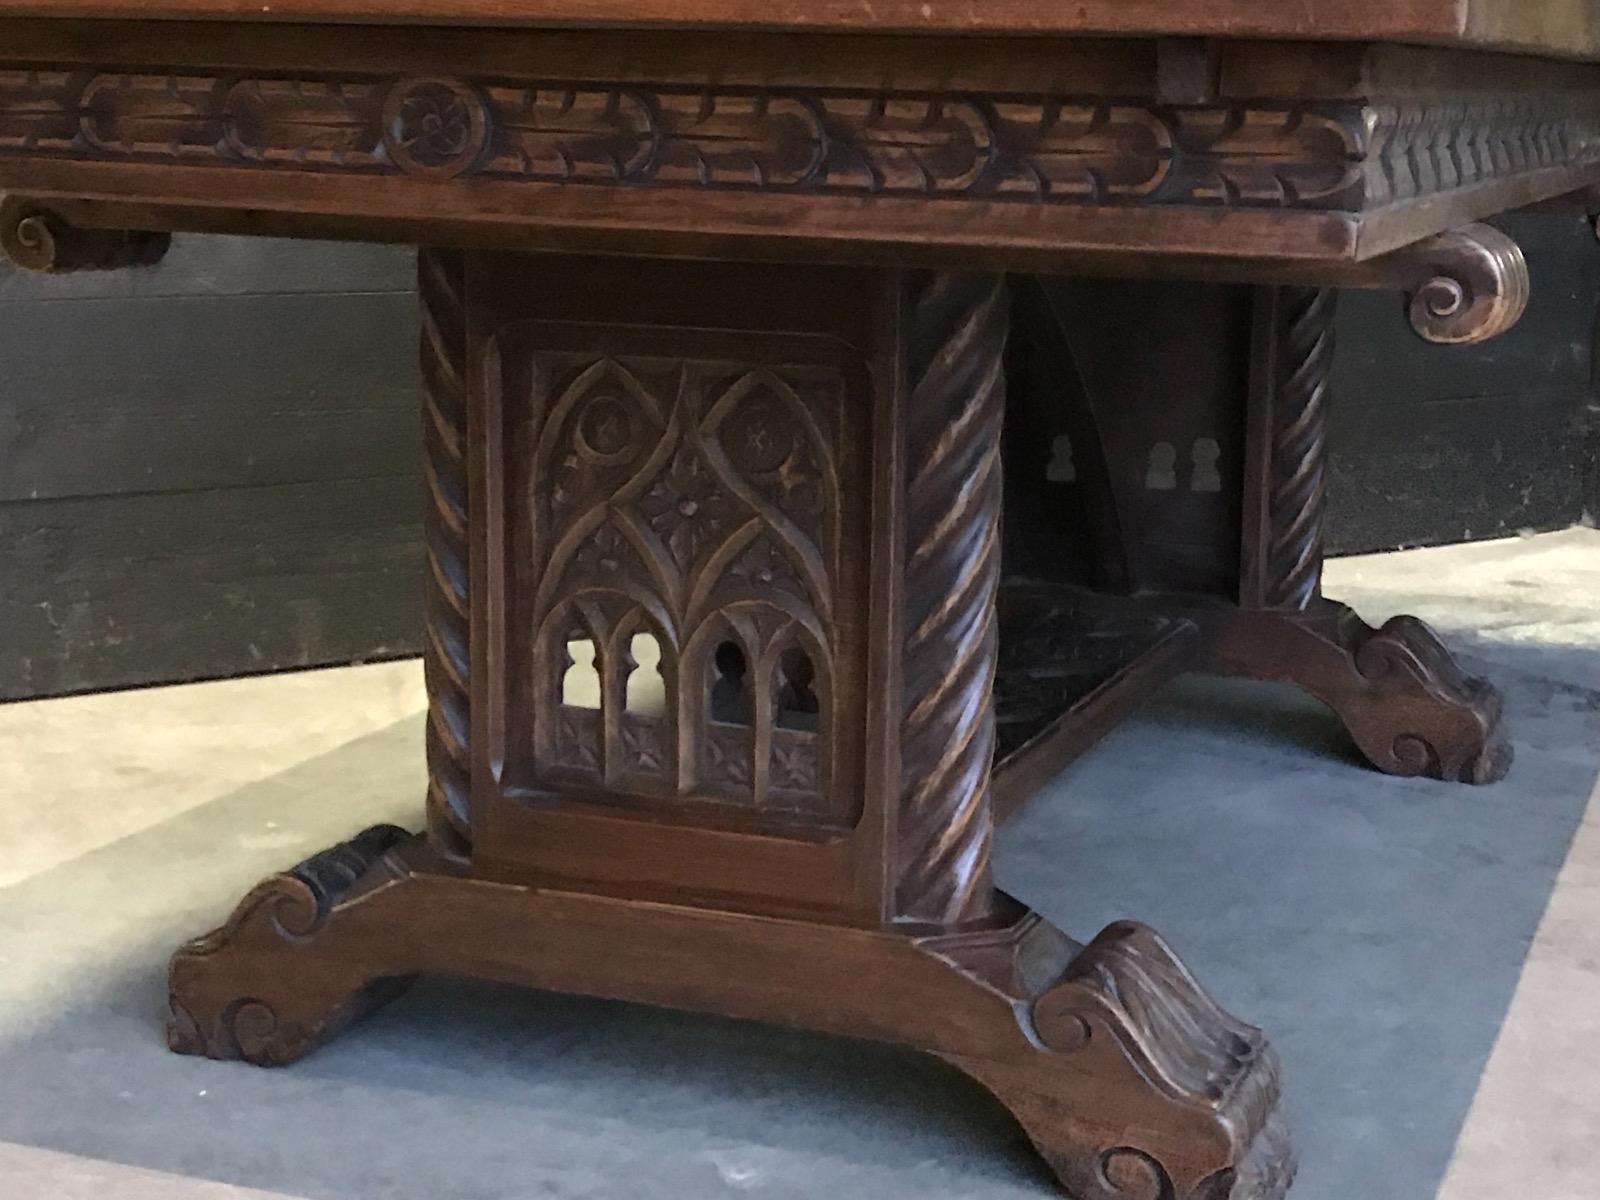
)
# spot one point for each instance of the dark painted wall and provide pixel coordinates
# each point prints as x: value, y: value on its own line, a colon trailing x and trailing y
x: 207, y: 468
x: 1435, y: 444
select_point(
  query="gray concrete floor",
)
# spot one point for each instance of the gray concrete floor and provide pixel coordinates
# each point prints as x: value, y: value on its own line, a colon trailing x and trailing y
x: 1426, y: 956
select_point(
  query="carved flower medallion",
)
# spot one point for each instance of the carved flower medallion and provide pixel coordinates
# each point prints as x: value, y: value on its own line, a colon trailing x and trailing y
x: 435, y: 127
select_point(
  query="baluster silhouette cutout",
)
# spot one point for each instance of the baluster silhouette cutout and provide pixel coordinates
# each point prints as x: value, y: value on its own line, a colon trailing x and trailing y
x: 580, y: 686
x: 797, y: 707
x: 1206, y: 477
x: 647, y: 690
x: 730, y: 696
x: 1162, y: 475
x: 1062, y: 468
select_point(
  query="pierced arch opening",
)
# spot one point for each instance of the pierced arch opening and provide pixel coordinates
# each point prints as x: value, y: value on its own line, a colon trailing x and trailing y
x: 730, y: 685
x: 580, y: 682
x: 646, y: 691
x: 797, y: 706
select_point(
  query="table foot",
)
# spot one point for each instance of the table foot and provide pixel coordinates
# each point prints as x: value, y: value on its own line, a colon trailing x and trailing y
x: 1148, y: 1088
x: 250, y: 991
x: 1408, y: 704
x: 1128, y: 1078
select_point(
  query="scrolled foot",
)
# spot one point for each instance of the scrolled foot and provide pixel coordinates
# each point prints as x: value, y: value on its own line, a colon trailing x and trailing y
x: 1409, y: 707
x: 1147, y: 1088
x: 274, y: 982
x: 1433, y: 719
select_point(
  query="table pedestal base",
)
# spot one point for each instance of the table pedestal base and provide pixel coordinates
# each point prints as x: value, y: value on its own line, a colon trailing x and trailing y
x: 1190, y: 483
x: 1126, y: 1075
x: 1408, y: 705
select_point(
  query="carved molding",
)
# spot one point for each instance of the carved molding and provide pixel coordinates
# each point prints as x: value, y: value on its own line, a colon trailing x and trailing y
x: 36, y: 239
x: 1297, y: 484
x: 208, y: 1015
x: 447, y: 660
x: 1195, y: 1091
x: 954, y: 408
x: 1058, y: 149
x: 1128, y: 1004
x: 694, y: 499
x: 1438, y: 720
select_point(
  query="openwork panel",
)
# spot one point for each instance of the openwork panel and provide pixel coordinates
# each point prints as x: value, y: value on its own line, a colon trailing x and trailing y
x: 678, y: 536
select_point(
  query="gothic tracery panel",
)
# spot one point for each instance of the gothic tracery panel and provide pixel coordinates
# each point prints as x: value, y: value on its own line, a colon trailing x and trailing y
x: 690, y: 511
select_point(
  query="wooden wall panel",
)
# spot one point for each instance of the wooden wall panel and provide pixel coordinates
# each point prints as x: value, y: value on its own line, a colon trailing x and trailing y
x: 209, y: 468
x: 1435, y: 444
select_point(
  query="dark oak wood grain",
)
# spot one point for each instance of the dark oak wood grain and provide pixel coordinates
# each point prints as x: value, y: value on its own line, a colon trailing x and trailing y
x: 1562, y: 27
x: 718, y: 509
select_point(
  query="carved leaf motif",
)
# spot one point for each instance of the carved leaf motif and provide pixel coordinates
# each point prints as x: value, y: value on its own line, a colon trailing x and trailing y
x: 578, y: 739
x: 687, y: 508
x: 754, y: 140
x: 1083, y: 151
x: 566, y: 135
x: 288, y: 122
x: 763, y: 565
x: 642, y: 746
x: 39, y: 110
x: 795, y: 762
x: 1334, y: 155
x: 728, y: 756
x: 907, y: 145
x: 773, y: 453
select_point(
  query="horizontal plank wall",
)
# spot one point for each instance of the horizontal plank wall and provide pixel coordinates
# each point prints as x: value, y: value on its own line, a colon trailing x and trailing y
x: 1437, y: 444
x: 208, y: 468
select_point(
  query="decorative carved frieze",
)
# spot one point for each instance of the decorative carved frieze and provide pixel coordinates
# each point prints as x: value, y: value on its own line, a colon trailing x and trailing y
x: 1053, y: 149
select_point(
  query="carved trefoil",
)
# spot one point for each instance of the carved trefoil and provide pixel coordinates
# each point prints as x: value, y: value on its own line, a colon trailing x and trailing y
x: 679, y: 520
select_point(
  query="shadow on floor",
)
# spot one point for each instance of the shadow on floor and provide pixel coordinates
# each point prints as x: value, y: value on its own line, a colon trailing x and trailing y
x: 1375, y: 927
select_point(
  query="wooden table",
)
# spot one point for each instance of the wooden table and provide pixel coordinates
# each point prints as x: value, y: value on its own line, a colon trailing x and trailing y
x: 715, y: 340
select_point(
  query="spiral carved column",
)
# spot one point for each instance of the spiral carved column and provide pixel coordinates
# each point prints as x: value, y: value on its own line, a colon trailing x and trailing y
x: 447, y: 656
x: 955, y: 380
x: 1297, y: 499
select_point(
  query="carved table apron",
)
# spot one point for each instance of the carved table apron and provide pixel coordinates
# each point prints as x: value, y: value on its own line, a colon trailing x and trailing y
x: 715, y: 343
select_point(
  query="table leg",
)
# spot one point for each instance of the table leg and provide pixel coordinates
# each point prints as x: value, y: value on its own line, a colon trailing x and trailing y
x: 1127, y: 1076
x: 1201, y: 469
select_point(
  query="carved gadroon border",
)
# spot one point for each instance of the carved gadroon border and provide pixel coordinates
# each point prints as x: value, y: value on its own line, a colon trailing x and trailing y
x: 1329, y: 156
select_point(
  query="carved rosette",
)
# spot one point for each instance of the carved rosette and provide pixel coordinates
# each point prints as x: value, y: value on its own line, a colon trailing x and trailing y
x: 228, y: 994
x: 447, y: 654
x: 958, y: 326
x: 1303, y: 361
x: 435, y: 127
x: 36, y: 239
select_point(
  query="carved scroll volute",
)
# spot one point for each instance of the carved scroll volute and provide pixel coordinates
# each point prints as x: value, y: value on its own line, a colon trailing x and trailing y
x: 1467, y: 286
x: 36, y: 239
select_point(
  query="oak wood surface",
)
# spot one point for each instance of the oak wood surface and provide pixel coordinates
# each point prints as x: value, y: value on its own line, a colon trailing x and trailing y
x: 1568, y: 28
x: 940, y: 151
